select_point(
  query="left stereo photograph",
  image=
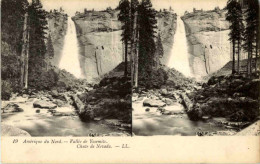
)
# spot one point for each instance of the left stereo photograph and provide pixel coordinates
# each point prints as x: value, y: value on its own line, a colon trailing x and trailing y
x: 64, y: 70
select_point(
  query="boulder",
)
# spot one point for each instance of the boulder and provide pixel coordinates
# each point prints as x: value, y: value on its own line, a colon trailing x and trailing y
x: 44, y: 104
x: 160, y: 109
x: 11, y: 108
x: 168, y: 101
x: 153, y: 103
x: 140, y: 98
x: 147, y: 109
x: 164, y: 91
x: 7, y: 130
x: 54, y: 93
x: 166, y: 112
x: 59, y: 103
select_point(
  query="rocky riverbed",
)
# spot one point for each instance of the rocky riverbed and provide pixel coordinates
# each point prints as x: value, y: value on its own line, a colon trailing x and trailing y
x: 160, y: 112
x: 51, y: 114
x: 224, y: 105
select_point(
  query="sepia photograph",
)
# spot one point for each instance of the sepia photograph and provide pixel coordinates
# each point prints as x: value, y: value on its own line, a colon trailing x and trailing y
x: 62, y: 70
x: 198, y: 71
x: 130, y: 79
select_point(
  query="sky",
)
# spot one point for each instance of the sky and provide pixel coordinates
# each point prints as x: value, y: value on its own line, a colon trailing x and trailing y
x: 179, y: 6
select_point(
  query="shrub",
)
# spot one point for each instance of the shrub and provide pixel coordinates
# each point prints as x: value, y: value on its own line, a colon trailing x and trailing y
x: 6, y: 90
x: 156, y: 79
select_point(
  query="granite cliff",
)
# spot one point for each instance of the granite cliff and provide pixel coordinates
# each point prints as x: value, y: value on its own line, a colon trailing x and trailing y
x: 207, y: 34
x: 57, y: 25
x: 99, y: 36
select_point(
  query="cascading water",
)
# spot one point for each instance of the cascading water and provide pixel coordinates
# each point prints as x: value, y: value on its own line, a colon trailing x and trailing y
x: 179, y: 55
x: 70, y: 54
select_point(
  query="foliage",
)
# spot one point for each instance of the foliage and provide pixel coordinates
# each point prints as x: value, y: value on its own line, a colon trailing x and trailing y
x: 43, y: 80
x: 123, y: 16
x: 12, y: 19
x: 251, y: 35
x: 147, y: 24
x: 37, y: 37
x: 50, y: 49
x: 234, y: 16
x: 6, y: 90
x: 155, y: 80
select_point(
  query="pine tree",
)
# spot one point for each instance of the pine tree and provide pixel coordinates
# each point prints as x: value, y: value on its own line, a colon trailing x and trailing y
x: 234, y: 16
x: 147, y: 24
x: 12, y: 21
x: 13, y: 14
x: 251, y: 30
x: 50, y: 49
x: 37, y: 34
x: 124, y: 17
x: 240, y: 33
x: 159, y: 51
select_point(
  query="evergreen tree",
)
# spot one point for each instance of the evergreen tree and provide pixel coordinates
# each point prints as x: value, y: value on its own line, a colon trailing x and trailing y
x: 12, y: 29
x: 37, y: 35
x: 240, y: 32
x: 50, y: 49
x: 234, y: 16
x: 159, y: 51
x: 251, y: 31
x: 124, y: 17
x: 147, y: 24
x: 12, y: 21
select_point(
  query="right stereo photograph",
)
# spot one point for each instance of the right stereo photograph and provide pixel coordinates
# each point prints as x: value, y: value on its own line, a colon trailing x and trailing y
x: 194, y: 67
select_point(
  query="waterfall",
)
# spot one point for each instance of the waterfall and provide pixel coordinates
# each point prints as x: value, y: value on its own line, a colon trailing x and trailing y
x: 70, y: 53
x: 179, y: 58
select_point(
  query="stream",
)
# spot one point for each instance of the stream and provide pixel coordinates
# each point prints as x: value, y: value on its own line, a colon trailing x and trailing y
x: 45, y: 124
x: 150, y: 123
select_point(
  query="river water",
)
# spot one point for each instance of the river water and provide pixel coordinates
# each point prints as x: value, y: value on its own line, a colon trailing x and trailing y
x: 70, y: 53
x: 154, y: 123
x: 45, y: 124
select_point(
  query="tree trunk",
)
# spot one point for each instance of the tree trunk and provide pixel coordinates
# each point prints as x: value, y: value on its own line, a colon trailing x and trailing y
x: 238, y: 56
x: 205, y: 60
x: 251, y: 54
x: 248, y: 57
x: 233, y: 62
x: 26, y: 64
x: 97, y: 62
x: 132, y: 48
x: 256, y: 52
x: 24, y: 50
x: 137, y: 52
x: 126, y: 58
x: 100, y: 61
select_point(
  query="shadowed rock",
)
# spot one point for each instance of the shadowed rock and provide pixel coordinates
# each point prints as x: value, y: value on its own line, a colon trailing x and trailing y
x: 44, y: 104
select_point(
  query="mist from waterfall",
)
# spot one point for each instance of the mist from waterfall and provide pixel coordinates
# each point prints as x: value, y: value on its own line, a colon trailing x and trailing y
x: 179, y: 58
x: 70, y: 53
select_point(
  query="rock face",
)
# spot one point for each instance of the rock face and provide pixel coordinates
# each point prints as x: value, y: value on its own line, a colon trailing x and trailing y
x: 110, y: 99
x: 99, y: 36
x: 207, y: 34
x: 166, y: 22
x: 100, y: 42
x: 57, y: 25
